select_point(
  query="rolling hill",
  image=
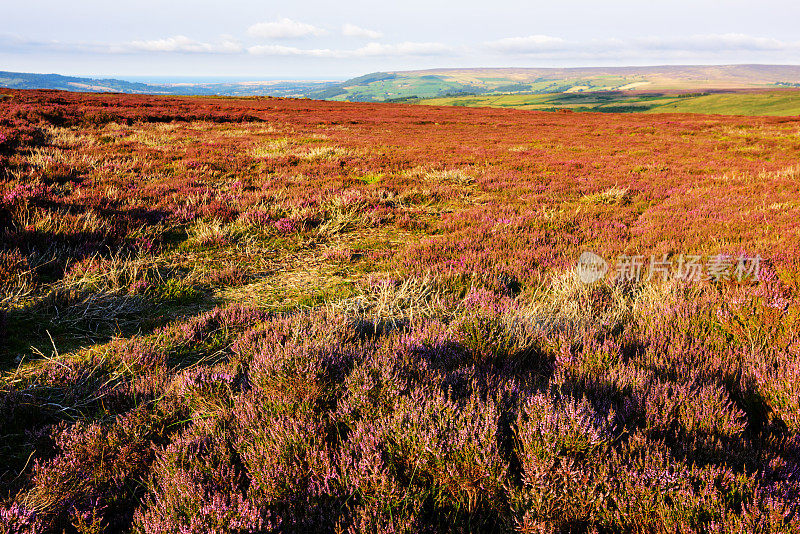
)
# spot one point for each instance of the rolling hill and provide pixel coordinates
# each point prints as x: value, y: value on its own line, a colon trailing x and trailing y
x: 721, y: 89
x: 397, y: 86
x: 290, y: 88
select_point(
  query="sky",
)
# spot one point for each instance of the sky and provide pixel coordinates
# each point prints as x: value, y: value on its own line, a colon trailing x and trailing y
x: 317, y: 39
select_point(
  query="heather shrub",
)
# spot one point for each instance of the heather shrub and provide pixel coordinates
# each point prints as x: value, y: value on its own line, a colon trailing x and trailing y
x: 207, y: 391
x: 16, y: 519
x: 548, y: 429
x: 494, y: 331
x: 560, y: 445
x: 776, y: 378
x: 488, y: 338
x: 289, y: 464
x: 418, y: 459
x: 453, y: 449
x: 198, y: 486
x: 141, y: 354
x: 378, y: 500
x: 96, y: 471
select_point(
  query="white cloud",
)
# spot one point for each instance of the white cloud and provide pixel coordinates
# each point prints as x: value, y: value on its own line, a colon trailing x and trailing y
x: 531, y: 43
x: 403, y: 49
x: 180, y: 43
x: 284, y: 29
x: 369, y: 50
x: 714, y: 42
x: 280, y: 50
x: 644, y: 47
x: 351, y: 30
x: 653, y: 50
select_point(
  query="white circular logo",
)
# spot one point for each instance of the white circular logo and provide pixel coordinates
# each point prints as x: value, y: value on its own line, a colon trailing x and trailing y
x: 591, y: 267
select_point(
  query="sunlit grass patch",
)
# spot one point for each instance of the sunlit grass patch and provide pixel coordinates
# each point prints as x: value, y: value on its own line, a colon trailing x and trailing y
x: 271, y: 149
x: 209, y: 233
x: 70, y: 138
x: 55, y: 164
x: 370, y: 177
x: 519, y: 148
x: 384, y: 300
x: 612, y: 195
x: 174, y: 291
x: 458, y: 177
x: 324, y: 153
x: 152, y: 139
x: 63, y: 222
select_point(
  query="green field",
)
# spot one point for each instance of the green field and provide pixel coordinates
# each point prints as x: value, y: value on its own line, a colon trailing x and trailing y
x: 385, y: 86
x: 779, y: 102
x: 728, y: 90
x: 623, y: 89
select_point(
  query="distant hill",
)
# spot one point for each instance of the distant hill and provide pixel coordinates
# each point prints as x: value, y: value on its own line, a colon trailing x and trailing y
x: 654, y: 77
x: 405, y: 85
x: 690, y: 88
x: 22, y: 80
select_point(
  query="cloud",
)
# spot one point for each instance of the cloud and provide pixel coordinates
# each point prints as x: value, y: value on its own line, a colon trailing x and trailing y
x: 369, y: 50
x: 675, y: 47
x: 404, y: 49
x: 351, y: 30
x: 180, y: 43
x: 280, y: 50
x: 714, y: 43
x: 284, y: 29
x: 654, y: 50
x: 531, y: 43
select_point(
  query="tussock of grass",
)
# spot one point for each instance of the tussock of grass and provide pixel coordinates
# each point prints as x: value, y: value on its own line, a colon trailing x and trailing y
x: 389, y: 302
x: 612, y: 195
x: 274, y: 148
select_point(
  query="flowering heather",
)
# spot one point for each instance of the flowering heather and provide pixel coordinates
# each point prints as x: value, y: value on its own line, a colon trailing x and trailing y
x: 267, y: 315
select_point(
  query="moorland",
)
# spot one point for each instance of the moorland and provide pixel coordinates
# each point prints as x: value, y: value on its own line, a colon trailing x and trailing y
x: 286, y: 315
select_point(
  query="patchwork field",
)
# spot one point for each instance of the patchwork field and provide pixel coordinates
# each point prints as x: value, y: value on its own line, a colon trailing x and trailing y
x: 533, y: 83
x: 781, y: 102
x: 279, y: 315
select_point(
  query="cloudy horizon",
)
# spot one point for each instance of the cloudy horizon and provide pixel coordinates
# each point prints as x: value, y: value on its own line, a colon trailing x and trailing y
x: 317, y: 40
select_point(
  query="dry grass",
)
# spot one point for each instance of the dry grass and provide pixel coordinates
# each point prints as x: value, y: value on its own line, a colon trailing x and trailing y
x: 115, y: 273
x: 67, y: 138
x: 207, y: 233
x: 154, y: 139
x: 61, y: 222
x: 272, y: 149
x: 17, y: 289
x: 46, y: 158
x: 612, y: 195
x: 389, y: 302
x: 565, y: 304
x: 459, y: 177
x: 325, y: 153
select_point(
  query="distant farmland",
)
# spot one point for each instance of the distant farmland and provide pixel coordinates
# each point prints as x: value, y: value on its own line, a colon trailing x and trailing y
x: 777, y: 102
x: 438, y: 83
x: 616, y: 89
